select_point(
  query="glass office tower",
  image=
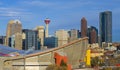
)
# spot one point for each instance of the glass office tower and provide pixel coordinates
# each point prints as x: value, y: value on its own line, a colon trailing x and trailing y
x: 105, y: 19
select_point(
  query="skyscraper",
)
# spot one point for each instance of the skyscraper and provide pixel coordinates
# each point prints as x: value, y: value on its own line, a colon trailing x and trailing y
x: 40, y: 30
x: 13, y: 27
x: 105, y: 19
x: 73, y: 34
x: 2, y: 39
x: 15, y: 41
x: 92, y: 33
x: 83, y: 27
x: 62, y: 36
x: 30, y: 39
x: 18, y: 41
x: 51, y: 42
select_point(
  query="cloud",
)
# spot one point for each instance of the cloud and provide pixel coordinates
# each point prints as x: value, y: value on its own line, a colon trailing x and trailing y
x: 12, y: 12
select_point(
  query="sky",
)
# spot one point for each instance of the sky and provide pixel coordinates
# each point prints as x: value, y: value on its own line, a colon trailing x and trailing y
x: 64, y: 14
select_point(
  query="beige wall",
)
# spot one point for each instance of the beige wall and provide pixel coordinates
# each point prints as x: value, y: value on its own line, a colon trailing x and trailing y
x: 18, y: 41
x: 62, y: 37
x: 40, y: 30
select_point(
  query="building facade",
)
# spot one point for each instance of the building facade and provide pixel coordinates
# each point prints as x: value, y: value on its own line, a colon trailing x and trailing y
x: 2, y: 39
x: 105, y: 20
x: 92, y: 33
x: 41, y: 34
x: 30, y: 39
x: 83, y: 27
x: 15, y: 41
x: 51, y: 42
x: 18, y: 41
x: 62, y: 36
x: 73, y: 34
x: 14, y: 27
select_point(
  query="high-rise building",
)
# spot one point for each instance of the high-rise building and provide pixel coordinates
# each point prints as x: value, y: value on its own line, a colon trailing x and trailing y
x: 62, y: 36
x: 2, y: 39
x: 51, y: 42
x: 105, y: 19
x: 47, y: 21
x: 13, y: 27
x: 12, y: 41
x: 30, y: 39
x: 18, y: 41
x: 83, y: 27
x: 92, y: 33
x: 15, y: 41
x: 40, y: 30
x: 73, y: 34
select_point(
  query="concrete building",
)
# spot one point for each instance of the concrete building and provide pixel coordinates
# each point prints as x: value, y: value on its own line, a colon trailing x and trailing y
x: 18, y: 41
x: 51, y: 42
x: 105, y: 21
x: 30, y: 39
x: 92, y: 33
x: 15, y: 41
x: 73, y: 34
x: 41, y: 32
x: 13, y: 27
x: 62, y: 36
x: 83, y: 27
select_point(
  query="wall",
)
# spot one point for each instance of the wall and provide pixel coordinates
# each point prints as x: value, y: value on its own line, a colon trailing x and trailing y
x: 75, y: 51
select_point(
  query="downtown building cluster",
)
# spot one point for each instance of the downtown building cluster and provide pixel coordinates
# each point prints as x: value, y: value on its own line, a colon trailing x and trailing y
x: 39, y: 38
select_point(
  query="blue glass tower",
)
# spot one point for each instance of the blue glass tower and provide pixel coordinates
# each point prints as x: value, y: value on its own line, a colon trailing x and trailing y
x: 30, y: 40
x: 51, y: 42
x: 105, y: 26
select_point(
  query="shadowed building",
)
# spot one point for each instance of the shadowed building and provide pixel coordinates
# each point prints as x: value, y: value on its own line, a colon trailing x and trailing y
x: 14, y: 27
x: 105, y: 19
x: 30, y: 39
x: 93, y: 36
x: 51, y: 42
x: 83, y: 27
x: 92, y: 33
x: 2, y: 39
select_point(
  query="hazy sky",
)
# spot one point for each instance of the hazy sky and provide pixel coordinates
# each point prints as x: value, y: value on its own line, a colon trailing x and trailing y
x: 64, y: 14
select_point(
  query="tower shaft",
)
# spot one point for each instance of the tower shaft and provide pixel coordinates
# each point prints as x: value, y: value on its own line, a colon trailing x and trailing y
x: 46, y: 31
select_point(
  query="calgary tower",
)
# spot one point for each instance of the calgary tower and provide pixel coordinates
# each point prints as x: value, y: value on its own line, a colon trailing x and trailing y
x: 47, y: 21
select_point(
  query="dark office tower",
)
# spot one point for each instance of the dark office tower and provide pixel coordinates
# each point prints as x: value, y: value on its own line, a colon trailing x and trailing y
x: 51, y: 42
x: 92, y: 33
x: 30, y: 39
x: 13, y: 27
x: 2, y: 40
x: 105, y: 19
x: 93, y: 36
x: 83, y: 27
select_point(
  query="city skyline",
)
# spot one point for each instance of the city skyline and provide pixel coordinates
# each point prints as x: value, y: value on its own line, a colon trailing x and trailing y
x: 63, y: 14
